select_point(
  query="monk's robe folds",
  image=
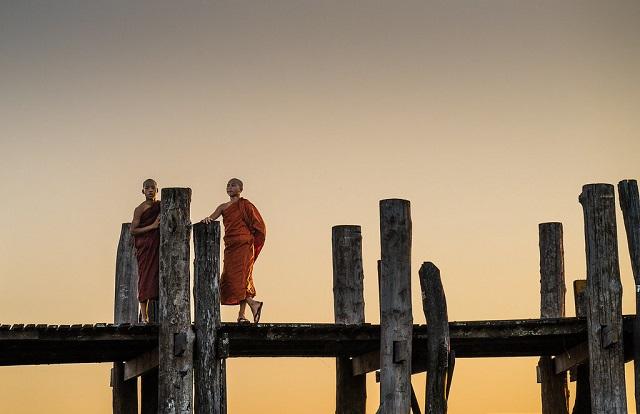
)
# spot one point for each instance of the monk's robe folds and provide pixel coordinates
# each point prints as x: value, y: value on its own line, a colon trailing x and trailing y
x: 244, y: 236
x: 148, y: 255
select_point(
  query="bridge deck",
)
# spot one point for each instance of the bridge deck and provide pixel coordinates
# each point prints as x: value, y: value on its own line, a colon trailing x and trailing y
x: 59, y: 344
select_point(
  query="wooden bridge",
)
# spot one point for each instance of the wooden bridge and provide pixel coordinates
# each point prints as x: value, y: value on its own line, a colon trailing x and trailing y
x: 73, y: 344
x: 181, y: 362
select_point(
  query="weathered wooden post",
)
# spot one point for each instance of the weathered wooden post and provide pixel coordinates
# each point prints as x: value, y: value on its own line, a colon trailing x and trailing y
x: 630, y: 205
x: 554, y: 390
x: 209, y: 370
x: 604, y: 292
x: 175, y: 387
x: 434, y: 304
x: 125, y: 310
x: 396, y: 319
x: 582, y: 404
x: 348, y: 307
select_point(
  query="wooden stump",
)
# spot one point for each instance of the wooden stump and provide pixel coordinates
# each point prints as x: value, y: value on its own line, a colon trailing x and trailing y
x: 396, y: 320
x: 554, y: 390
x: 348, y: 305
x: 125, y: 310
x: 630, y: 205
x: 175, y: 388
x: 434, y: 304
x: 209, y: 370
x: 582, y: 404
x: 604, y: 291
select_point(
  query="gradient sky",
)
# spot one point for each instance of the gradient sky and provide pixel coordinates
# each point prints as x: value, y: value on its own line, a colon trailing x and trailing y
x: 489, y: 116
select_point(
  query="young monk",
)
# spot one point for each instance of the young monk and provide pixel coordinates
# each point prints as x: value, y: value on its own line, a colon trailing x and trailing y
x: 244, y: 235
x: 145, y: 230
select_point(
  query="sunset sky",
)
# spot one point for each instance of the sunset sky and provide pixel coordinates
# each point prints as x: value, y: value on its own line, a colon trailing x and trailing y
x: 487, y: 115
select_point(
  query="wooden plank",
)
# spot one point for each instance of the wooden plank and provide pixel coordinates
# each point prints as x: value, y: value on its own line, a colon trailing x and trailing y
x: 348, y: 306
x: 570, y: 359
x: 554, y: 390
x: 175, y: 385
x: 434, y: 304
x: 370, y: 362
x: 125, y: 310
x: 606, y: 352
x: 209, y: 370
x: 365, y: 363
x: 396, y: 320
x: 141, y: 364
x: 630, y: 206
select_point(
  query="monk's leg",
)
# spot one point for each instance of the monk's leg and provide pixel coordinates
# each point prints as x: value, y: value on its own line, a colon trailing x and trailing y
x: 143, y: 312
x: 243, y: 306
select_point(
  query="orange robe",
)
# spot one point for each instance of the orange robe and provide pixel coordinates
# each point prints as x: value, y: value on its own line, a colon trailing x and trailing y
x: 244, y: 235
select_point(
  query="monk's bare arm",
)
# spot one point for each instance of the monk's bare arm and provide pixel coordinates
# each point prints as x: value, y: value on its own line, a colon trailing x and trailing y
x: 217, y: 213
x: 135, y: 223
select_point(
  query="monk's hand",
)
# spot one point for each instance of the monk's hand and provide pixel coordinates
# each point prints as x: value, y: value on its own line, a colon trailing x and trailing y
x: 156, y: 224
x: 207, y: 220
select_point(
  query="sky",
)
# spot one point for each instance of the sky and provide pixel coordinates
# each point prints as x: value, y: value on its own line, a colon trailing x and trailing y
x: 488, y: 116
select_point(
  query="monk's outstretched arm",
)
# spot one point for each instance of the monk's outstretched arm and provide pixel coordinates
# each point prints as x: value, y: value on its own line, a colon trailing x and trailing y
x: 213, y: 216
x: 136, y: 230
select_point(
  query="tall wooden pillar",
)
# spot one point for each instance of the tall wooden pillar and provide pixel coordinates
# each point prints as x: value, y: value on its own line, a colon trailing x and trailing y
x: 630, y: 205
x: 125, y: 393
x: 209, y: 370
x: 175, y: 384
x: 396, y: 319
x: 604, y: 292
x: 348, y: 305
x: 554, y: 390
x: 582, y: 404
x: 439, y: 361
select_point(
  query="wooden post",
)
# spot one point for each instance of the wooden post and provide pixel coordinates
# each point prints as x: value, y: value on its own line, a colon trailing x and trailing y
x: 434, y: 304
x: 630, y: 205
x: 348, y: 307
x: 554, y: 390
x: 175, y: 385
x: 396, y: 320
x: 209, y: 370
x: 604, y: 292
x: 149, y: 392
x: 582, y: 404
x: 125, y: 310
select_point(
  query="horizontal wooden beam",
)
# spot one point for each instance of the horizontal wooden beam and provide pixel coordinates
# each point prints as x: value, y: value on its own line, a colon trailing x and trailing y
x: 69, y: 344
x: 362, y: 364
x: 571, y: 358
x: 60, y: 344
x: 141, y: 364
x: 501, y: 338
x: 369, y: 362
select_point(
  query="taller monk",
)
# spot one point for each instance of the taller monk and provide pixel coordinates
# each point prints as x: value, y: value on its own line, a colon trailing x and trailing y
x: 244, y: 236
x: 145, y: 230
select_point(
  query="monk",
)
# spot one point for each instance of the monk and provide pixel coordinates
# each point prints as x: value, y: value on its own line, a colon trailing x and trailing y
x: 145, y: 230
x: 244, y: 236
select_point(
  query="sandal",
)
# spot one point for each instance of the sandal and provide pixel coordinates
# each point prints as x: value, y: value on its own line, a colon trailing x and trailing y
x: 243, y: 320
x: 256, y: 316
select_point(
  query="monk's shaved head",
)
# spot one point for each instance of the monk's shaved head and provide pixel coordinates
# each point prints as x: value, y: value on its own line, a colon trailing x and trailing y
x: 236, y: 181
x: 149, y: 181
